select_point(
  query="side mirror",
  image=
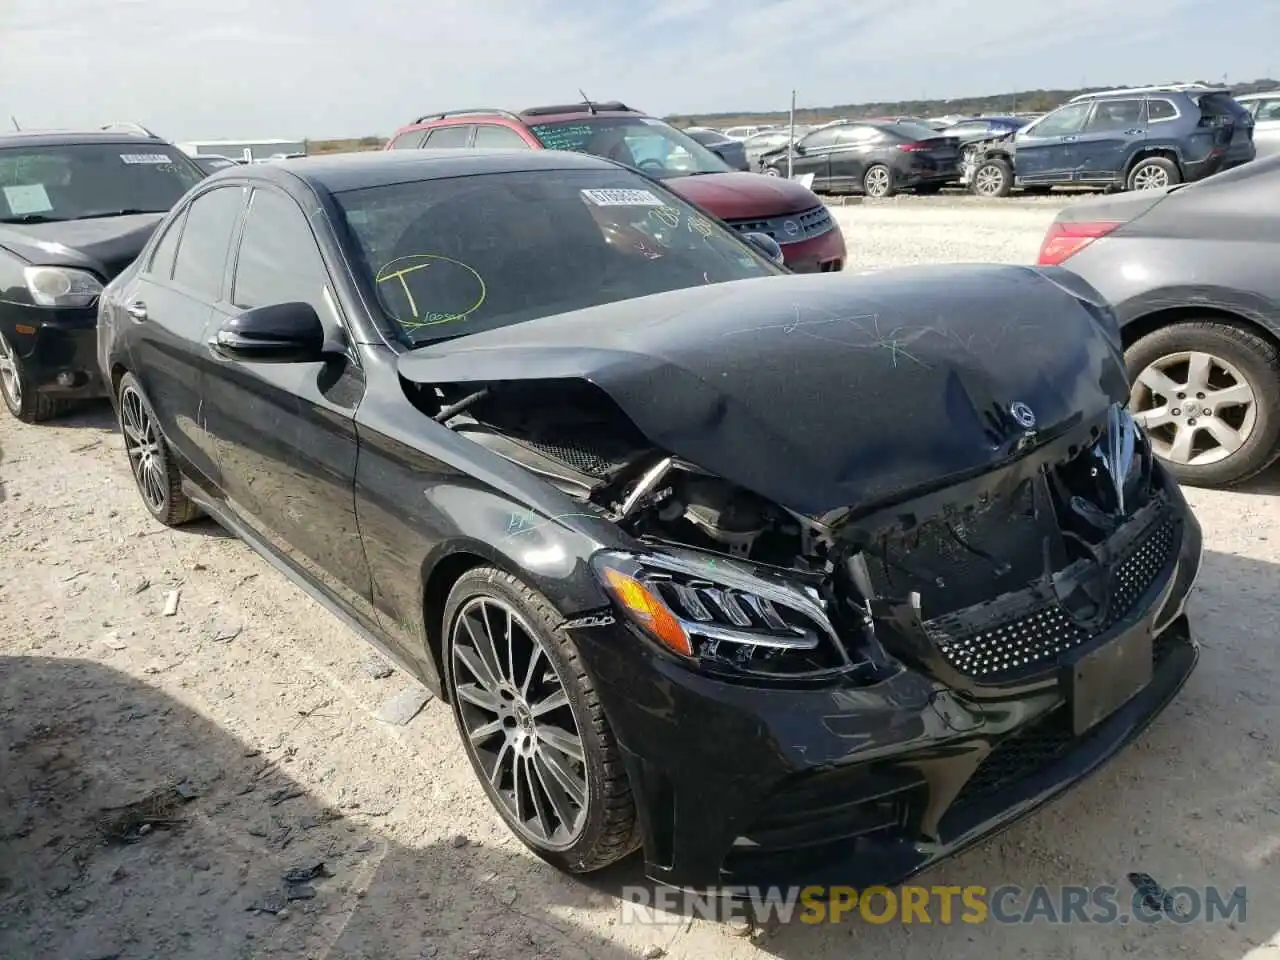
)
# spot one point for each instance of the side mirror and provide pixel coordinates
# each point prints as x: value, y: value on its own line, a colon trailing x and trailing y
x: 732, y: 153
x: 766, y: 245
x: 279, y: 333
x: 798, y: 148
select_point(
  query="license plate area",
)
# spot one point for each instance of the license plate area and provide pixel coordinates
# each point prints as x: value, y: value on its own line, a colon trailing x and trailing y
x: 1103, y: 680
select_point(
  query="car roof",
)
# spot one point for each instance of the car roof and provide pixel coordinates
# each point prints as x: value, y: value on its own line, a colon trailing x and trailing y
x: 339, y: 172
x: 64, y: 138
x: 1260, y: 95
x: 580, y: 114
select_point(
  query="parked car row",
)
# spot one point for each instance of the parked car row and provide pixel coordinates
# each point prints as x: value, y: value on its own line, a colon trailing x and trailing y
x: 623, y: 490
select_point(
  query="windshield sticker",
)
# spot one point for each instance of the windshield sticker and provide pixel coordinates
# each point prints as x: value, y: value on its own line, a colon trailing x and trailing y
x: 146, y: 158
x: 29, y: 198
x: 424, y: 289
x: 621, y: 198
x: 701, y: 226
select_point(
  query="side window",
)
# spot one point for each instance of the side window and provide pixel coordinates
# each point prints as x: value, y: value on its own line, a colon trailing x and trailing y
x: 1062, y: 122
x: 496, y: 137
x: 279, y: 261
x: 1159, y: 110
x: 1114, y: 115
x: 854, y: 135
x: 406, y: 141
x: 161, y: 265
x: 1268, y: 110
x: 202, y: 252
x: 451, y: 137
x: 820, y: 138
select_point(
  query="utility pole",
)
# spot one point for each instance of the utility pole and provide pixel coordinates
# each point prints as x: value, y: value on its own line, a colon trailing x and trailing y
x: 15, y: 123
x: 792, y: 137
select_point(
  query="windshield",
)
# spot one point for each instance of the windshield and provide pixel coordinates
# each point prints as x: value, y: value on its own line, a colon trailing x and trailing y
x: 457, y: 256
x: 72, y: 182
x: 657, y: 148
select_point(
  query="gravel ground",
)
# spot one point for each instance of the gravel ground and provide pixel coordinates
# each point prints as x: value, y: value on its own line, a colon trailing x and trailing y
x: 162, y: 773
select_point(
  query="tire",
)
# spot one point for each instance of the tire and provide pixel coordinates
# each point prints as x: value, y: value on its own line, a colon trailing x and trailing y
x: 992, y: 178
x: 155, y: 474
x: 1251, y: 358
x: 877, y: 182
x: 605, y: 830
x: 1154, y: 172
x: 21, y: 398
x: 771, y: 172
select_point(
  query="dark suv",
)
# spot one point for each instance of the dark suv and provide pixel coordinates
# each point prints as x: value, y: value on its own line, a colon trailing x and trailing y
x: 1135, y: 139
x: 75, y: 209
x: 788, y: 212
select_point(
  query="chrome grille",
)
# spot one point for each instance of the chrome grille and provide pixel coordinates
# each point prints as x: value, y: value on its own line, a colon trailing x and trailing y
x: 1034, y: 640
x: 792, y: 228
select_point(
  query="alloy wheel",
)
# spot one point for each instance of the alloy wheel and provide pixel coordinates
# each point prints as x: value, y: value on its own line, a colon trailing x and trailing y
x: 142, y: 443
x: 988, y: 180
x: 518, y: 724
x: 10, y: 380
x: 771, y: 172
x: 877, y: 182
x: 1197, y: 408
x: 1150, y: 177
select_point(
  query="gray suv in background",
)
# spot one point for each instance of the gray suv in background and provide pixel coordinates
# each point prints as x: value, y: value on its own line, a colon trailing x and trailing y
x: 1265, y: 110
x: 1139, y: 138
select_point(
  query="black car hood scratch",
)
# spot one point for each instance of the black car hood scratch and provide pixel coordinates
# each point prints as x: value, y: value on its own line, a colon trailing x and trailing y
x: 831, y: 391
x: 104, y: 245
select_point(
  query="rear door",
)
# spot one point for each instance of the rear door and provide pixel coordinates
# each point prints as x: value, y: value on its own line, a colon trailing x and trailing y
x: 494, y: 136
x: 170, y: 309
x: 285, y: 432
x: 1108, y: 137
x: 857, y: 147
x: 1044, y: 152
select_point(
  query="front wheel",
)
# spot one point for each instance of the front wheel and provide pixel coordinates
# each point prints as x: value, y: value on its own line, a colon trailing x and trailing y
x: 771, y: 172
x: 992, y: 178
x: 20, y: 395
x: 1206, y: 393
x: 155, y: 474
x: 877, y: 182
x: 532, y: 724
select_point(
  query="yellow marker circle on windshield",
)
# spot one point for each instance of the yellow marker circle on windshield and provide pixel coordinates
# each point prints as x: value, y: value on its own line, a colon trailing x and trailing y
x: 434, y: 289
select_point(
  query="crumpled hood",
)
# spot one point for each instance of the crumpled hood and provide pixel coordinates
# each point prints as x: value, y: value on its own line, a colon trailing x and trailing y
x: 105, y: 246
x: 735, y: 196
x: 827, y: 391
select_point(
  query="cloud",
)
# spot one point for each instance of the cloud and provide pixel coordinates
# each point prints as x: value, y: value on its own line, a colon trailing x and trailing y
x: 299, y: 68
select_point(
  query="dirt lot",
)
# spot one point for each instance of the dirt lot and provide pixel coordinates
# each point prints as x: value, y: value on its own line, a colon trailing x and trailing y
x: 162, y: 773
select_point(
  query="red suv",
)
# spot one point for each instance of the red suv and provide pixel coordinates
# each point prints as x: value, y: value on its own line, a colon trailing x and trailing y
x: 793, y: 215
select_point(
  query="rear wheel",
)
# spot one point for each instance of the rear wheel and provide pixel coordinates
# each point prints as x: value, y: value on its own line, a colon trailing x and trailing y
x: 1206, y: 391
x: 992, y: 178
x: 155, y: 474
x: 20, y: 394
x: 1153, y: 173
x: 532, y: 724
x: 877, y: 182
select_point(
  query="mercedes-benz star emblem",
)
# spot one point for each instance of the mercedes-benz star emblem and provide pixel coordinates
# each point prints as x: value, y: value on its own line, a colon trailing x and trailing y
x: 1022, y: 415
x: 791, y: 227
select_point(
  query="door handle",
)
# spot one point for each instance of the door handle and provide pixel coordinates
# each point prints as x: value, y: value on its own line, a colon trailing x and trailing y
x: 137, y: 309
x: 1071, y: 139
x: 1134, y: 133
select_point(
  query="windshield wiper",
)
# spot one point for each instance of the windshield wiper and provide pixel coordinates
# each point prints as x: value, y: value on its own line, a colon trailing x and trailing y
x: 33, y: 218
x: 125, y: 212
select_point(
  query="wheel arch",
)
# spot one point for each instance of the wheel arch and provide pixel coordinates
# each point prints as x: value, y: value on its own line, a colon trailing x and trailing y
x: 1138, y: 327
x: 1147, y: 151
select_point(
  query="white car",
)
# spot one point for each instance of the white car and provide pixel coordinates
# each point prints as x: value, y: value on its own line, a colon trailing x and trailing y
x: 1265, y: 108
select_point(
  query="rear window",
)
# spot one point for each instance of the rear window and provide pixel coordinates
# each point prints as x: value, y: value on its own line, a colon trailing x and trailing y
x: 908, y: 130
x: 1221, y: 105
x: 1161, y: 110
x: 92, y: 180
x: 459, y: 256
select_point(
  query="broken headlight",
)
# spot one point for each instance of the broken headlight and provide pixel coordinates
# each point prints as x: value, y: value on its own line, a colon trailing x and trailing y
x: 722, y: 615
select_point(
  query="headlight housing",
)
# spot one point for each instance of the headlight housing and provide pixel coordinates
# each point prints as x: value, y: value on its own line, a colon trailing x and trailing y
x: 719, y: 613
x: 61, y: 286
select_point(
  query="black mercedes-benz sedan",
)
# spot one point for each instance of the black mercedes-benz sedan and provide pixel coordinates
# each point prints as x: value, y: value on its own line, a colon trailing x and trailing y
x: 779, y: 578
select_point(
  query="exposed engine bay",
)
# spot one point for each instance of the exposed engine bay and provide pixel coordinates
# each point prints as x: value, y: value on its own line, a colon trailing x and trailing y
x: 1027, y: 553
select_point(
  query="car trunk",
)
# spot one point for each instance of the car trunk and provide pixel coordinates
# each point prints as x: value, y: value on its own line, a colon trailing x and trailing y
x: 1232, y: 126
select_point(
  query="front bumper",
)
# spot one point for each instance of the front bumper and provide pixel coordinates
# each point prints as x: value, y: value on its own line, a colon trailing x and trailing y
x: 57, y: 347
x: 840, y: 784
x: 823, y: 254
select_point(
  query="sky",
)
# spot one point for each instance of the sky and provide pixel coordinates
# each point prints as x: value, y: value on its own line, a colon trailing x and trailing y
x: 193, y: 69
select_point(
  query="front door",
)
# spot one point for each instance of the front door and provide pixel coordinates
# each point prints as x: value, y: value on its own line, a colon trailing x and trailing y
x: 169, y: 306
x: 816, y: 159
x: 1044, y: 152
x: 285, y: 432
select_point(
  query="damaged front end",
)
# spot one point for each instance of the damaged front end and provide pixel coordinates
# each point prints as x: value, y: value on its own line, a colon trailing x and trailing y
x: 974, y: 153
x: 857, y: 691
